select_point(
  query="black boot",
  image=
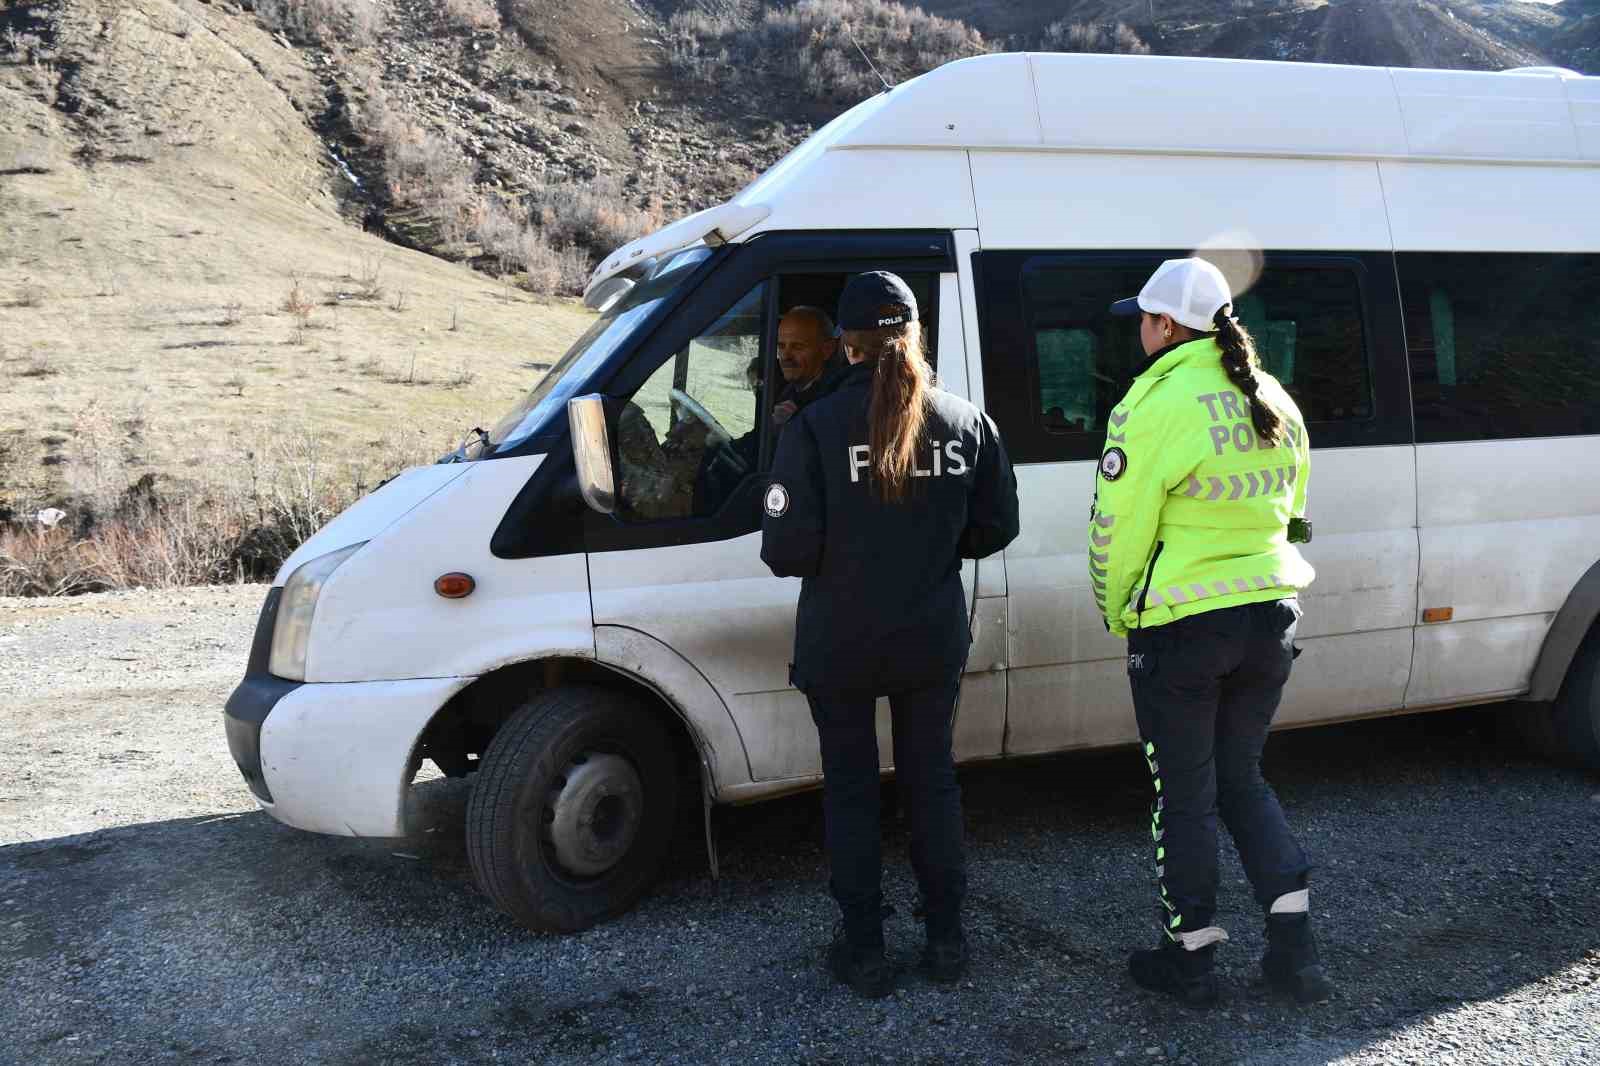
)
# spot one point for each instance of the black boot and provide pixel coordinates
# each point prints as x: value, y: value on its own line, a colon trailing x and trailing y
x: 1291, y: 964
x: 945, y: 958
x: 1186, y: 975
x: 862, y: 967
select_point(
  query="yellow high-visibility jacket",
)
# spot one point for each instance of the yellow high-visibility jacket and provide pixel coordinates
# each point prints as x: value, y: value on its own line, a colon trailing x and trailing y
x: 1191, y: 510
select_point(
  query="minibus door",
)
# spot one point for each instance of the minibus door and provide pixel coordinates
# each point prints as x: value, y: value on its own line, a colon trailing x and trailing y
x: 680, y: 559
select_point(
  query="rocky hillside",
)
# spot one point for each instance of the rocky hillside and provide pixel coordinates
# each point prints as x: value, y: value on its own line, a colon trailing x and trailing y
x: 531, y: 136
x: 256, y: 254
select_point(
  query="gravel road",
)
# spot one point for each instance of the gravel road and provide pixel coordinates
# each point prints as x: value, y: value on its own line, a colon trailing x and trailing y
x: 149, y: 913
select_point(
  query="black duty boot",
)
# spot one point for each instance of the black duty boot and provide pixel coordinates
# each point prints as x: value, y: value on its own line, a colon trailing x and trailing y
x: 945, y: 959
x: 1186, y: 975
x: 1291, y: 964
x: 864, y: 969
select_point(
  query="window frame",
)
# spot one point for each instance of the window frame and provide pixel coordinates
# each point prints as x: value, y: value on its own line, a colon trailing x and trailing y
x: 1009, y: 353
x: 1435, y: 430
x: 548, y: 517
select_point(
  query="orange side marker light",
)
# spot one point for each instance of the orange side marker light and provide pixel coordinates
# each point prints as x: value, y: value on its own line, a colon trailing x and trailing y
x: 1438, y: 614
x: 454, y: 586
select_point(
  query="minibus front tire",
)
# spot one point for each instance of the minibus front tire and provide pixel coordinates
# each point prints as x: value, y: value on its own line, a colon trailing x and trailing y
x: 573, y: 808
x: 1575, y: 715
x: 1567, y: 730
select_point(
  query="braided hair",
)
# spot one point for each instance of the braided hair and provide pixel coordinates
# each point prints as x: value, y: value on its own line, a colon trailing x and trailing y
x: 1239, y: 360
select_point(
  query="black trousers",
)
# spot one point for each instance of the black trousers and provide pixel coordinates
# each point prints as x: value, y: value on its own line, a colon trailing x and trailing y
x: 1205, y: 689
x: 929, y: 794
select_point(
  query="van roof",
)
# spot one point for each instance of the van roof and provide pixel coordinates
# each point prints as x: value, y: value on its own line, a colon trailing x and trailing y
x: 1167, y: 104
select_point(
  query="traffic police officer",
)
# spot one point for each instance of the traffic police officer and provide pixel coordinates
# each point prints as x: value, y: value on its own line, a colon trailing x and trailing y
x: 1200, y: 497
x: 878, y: 492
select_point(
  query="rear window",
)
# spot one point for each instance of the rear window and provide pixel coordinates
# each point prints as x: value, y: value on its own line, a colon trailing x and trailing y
x: 1502, y: 346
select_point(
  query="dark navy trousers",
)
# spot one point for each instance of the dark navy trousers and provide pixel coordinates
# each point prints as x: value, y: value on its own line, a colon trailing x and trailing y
x: 1205, y: 689
x: 929, y: 795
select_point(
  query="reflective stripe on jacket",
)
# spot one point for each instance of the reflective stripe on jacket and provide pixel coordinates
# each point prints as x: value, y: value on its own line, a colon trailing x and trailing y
x: 1191, y: 509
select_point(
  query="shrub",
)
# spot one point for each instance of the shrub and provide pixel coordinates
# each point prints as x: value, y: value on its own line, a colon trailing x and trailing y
x: 813, y: 44
x: 596, y: 216
x: 148, y: 538
x: 1107, y: 37
x: 471, y: 15
x: 298, y: 304
x: 323, y: 22
x: 423, y: 170
x: 549, y: 270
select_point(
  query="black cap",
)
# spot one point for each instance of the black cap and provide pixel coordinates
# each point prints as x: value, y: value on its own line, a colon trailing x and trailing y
x: 861, y: 305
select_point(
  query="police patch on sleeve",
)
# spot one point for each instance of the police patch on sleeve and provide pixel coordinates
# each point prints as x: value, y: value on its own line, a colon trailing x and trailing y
x: 777, y: 500
x: 1113, y: 464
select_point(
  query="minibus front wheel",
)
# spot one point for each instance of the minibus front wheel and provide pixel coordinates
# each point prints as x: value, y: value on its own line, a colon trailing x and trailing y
x: 573, y: 808
x: 1568, y: 730
x: 1576, y: 712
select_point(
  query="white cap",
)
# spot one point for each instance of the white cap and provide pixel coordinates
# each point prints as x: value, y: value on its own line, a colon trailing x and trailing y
x: 1192, y: 291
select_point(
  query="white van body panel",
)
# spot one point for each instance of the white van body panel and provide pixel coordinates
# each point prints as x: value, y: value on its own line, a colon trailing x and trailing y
x: 1583, y: 98
x: 983, y: 100
x: 335, y: 756
x: 1060, y: 200
x: 715, y: 604
x: 379, y: 618
x: 1106, y: 102
x: 686, y: 690
x: 372, y: 514
x: 1458, y: 208
x: 1068, y: 675
x: 1508, y: 527
x: 1457, y: 112
x: 848, y: 190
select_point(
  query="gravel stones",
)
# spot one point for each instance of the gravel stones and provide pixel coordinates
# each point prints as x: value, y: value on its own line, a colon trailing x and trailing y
x: 148, y: 910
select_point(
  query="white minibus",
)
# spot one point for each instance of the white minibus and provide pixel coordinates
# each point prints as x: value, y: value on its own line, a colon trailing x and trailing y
x: 574, y: 611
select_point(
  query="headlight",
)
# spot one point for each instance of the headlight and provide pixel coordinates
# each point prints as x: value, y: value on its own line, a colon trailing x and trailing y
x: 292, y: 633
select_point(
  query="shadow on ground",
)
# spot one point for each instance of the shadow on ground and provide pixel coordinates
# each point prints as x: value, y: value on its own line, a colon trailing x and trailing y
x: 1452, y: 869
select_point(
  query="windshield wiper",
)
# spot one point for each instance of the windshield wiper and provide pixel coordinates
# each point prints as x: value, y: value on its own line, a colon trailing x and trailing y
x: 477, y: 435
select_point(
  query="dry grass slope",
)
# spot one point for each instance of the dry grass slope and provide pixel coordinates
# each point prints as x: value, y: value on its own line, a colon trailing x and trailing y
x: 201, y: 312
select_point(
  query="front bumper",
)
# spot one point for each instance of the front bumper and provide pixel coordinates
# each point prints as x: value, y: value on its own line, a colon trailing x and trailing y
x: 253, y: 700
x: 329, y: 758
x: 336, y: 756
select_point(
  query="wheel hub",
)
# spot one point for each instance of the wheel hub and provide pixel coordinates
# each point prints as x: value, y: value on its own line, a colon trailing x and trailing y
x: 594, y: 813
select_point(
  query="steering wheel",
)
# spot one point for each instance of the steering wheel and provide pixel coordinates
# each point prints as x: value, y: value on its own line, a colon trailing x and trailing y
x: 715, y: 434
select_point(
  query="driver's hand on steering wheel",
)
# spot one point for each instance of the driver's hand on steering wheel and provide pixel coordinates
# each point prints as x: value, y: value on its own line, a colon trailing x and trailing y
x: 687, y: 434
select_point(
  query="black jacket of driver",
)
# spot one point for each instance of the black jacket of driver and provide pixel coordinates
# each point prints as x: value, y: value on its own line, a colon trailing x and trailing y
x: 881, y: 605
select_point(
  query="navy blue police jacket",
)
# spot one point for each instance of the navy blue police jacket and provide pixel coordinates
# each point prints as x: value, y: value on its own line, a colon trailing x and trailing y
x: 881, y: 604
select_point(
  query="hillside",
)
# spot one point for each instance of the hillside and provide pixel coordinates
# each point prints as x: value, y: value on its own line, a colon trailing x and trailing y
x: 185, y: 305
x: 291, y: 245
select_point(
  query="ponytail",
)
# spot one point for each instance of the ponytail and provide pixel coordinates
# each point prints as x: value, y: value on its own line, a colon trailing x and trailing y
x: 898, y: 409
x: 1239, y: 360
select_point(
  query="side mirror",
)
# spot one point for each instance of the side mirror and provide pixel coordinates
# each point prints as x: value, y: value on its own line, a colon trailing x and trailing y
x: 591, y: 452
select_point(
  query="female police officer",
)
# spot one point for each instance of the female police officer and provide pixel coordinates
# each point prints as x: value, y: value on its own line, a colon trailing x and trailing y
x: 878, y: 492
x: 1201, y: 491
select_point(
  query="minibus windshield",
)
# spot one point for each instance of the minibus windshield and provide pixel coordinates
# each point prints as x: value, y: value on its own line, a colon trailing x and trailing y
x: 548, y: 400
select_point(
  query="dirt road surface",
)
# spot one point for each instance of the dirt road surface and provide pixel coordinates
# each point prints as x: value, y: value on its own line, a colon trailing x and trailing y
x: 149, y: 913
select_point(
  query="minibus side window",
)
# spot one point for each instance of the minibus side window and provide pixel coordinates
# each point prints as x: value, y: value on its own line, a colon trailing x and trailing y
x: 1307, y: 318
x: 1502, y: 345
x: 688, y: 436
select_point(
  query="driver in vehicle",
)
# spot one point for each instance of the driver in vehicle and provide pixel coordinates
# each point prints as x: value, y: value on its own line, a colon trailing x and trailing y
x: 808, y: 359
x: 811, y: 364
